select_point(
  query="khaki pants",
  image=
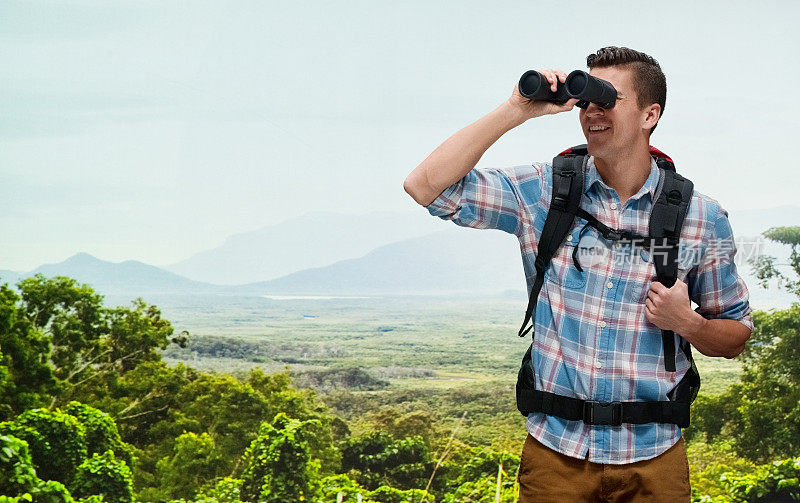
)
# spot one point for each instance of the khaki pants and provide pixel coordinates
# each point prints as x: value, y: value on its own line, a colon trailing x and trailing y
x: 547, y: 476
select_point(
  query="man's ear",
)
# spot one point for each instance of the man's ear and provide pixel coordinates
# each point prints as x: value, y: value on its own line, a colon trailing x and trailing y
x: 653, y: 113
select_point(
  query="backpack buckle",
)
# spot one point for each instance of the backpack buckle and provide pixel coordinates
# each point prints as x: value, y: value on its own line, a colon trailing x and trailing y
x: 560, y: 202
x: 675, y: 197
x: 602, y: 413
x: 613, y: 235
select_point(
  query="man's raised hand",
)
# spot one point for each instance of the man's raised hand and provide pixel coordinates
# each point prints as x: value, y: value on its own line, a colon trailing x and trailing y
x: 528, y: 108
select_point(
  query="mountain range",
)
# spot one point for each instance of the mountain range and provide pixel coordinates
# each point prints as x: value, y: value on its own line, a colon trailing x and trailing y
x: 311, y: 240
x: 450, y: 260
x: 128, y: 277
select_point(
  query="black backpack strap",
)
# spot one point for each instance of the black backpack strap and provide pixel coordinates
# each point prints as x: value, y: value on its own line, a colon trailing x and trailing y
x: 686, y: 390
x: 672, y: 197
x: 568, y: 175
x: 612, y: 234
x: 529, y: 400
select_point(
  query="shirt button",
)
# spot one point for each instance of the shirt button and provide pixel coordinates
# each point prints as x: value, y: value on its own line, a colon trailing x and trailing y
x: 598, y: 365
x: 610, y: 285
x: 603, y: 324
x: 617, y: 245
x: 613, y: 206
x: 569, y: 237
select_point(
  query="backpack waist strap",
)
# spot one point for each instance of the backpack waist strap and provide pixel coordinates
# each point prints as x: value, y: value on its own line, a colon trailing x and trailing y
x: 601, y: 413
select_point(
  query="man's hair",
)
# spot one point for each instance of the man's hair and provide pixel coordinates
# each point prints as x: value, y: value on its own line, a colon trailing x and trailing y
x: 646, y: 74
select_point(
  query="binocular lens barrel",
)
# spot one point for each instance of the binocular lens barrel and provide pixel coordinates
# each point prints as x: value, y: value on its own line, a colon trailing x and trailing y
x: 533, y: 85
x: 579, y: 85
x: 589, y: 89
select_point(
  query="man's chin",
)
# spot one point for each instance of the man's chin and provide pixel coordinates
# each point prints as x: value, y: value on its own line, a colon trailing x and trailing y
x: 596, y: 150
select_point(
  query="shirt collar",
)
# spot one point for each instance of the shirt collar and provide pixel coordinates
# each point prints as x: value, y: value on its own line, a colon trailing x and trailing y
x: 593, y: 177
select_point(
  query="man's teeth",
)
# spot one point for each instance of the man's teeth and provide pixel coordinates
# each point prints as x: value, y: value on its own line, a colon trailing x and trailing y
x: 598, y: 128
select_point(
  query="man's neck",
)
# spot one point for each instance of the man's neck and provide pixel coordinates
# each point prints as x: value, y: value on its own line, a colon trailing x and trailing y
x: 625, y: 173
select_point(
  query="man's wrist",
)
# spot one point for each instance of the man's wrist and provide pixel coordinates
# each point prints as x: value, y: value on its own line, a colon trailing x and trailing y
x: 511, y: 116
x: 694, y: 324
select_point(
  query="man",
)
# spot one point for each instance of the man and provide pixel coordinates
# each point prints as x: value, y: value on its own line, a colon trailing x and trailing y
x: 598, y: 330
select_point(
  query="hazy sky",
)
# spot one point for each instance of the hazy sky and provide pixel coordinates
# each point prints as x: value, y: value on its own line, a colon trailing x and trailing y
x: 153, y: 130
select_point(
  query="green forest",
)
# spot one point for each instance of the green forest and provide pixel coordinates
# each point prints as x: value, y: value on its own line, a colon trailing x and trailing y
x: 101, y: 403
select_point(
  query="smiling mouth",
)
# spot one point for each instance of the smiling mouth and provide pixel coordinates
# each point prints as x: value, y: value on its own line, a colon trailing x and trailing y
x: 598, y: 131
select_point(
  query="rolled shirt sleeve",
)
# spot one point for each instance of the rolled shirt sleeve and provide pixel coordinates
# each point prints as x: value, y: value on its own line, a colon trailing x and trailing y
x: 718, y: 290
x: 491, y: 198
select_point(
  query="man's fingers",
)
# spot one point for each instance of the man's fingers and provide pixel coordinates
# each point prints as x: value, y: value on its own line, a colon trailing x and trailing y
x: 648, y: 314
x: 568, y: 105
x: 658, y: 287
x: 553, y: 79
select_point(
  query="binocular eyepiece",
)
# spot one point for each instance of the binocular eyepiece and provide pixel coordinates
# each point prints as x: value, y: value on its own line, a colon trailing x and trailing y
x: 578, y: 85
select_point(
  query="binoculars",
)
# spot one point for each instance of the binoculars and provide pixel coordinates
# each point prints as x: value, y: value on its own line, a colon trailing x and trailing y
x: 578, y: 85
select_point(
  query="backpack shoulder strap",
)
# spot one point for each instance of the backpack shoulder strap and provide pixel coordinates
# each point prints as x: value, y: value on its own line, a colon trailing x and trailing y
x: 672, y: 197
x: 568, y: 175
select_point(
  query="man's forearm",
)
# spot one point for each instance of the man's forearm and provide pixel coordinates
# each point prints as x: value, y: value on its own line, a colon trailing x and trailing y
x: 459, y: 154
x: 715, y: 337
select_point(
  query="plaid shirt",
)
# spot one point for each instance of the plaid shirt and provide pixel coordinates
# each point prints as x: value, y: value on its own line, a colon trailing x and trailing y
x: 592, y: 339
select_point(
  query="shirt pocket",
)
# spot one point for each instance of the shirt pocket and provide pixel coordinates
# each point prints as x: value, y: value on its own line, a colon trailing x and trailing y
x: 562, y: 270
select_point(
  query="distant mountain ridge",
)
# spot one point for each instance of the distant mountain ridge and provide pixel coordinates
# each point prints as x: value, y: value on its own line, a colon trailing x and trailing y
x: 448, y: 261
x: 122, y: 278
x: 311, y: 240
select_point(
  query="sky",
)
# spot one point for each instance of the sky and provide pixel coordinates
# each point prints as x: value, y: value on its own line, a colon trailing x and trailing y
x: 152, y: 130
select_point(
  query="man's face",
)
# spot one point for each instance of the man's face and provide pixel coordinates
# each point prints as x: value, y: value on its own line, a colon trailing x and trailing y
x: 625, y: 121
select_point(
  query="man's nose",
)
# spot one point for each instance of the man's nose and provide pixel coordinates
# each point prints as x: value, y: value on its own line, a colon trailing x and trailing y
x: 594, y: 109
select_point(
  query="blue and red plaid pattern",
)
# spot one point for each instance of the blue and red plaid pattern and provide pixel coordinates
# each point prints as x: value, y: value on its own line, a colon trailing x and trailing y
x: 592, y: 339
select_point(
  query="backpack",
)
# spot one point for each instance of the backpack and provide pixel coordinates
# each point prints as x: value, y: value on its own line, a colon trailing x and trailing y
x: 672, y: 197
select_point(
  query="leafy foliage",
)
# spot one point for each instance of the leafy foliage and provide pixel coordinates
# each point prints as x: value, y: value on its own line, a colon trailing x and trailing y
x: 17, y: 474
x: 155, y: 404
x: 58, y: 443
x: 760, y: 414
x: 350, y: 490
x: 101, y: 432
x: 709, y: 461
x: 59, y: 342
x: 378, y: 459
x: 104, y: 475
x: 26, y: 377
x: 195, y: 461
x: 484, y: 489
x: 773, y: 483
x: 18, y: 480
x: 225, y: 490
x: 331, y: 486
x: 765, y: 266
x: 278, y: 464
x: 70, y: 315
x: 57, y: 440
x: 386, y: 494
x: 769, y: 395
